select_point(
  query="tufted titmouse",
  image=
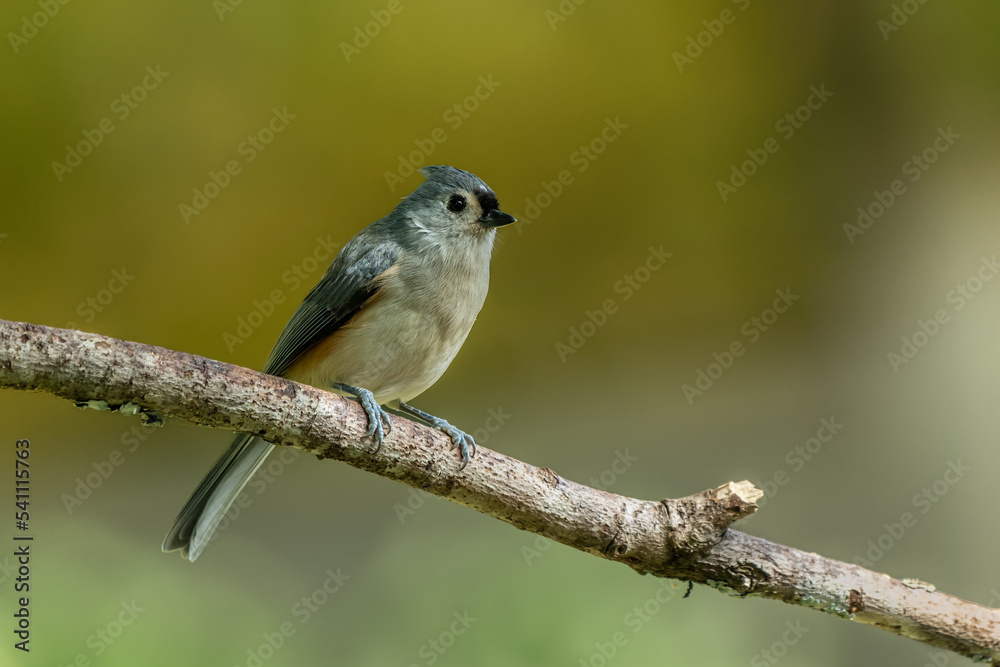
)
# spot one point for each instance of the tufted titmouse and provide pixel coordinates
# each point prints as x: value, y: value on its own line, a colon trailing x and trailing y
x: 382, y: 326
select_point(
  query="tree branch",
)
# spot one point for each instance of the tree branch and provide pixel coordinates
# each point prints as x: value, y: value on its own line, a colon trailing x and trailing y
x: 685, y: 539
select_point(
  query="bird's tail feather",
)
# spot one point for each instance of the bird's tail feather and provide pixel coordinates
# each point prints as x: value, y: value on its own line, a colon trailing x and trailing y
x: 211, y: 500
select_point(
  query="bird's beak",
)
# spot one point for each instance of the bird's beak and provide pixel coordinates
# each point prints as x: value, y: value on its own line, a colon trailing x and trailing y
x: 496, y: 218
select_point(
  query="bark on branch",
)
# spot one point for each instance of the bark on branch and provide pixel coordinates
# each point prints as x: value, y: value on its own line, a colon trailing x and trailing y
x: 688, y: 538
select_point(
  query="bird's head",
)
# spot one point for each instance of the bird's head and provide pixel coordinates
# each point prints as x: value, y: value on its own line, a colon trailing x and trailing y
x: 452, y: 204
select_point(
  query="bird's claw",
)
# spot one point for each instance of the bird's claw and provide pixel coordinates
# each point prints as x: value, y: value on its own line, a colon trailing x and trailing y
x: 460, y: 439
x: 376, y: 414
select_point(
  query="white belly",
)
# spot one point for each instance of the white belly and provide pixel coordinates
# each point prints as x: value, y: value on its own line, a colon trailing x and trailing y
x: 398, y: 347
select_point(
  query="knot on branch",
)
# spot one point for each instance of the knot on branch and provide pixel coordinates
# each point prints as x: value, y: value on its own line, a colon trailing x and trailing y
x: 697, y: 523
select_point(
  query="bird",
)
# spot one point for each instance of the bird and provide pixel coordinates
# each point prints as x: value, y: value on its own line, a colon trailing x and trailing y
x: 381, y: 326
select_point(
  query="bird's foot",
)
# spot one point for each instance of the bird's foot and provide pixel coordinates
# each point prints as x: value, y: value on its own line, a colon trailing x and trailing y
x: 459, y: 438
x: 376, y: 414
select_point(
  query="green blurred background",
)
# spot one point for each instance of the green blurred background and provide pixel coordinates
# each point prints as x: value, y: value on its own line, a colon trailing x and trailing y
x: 553, y: 86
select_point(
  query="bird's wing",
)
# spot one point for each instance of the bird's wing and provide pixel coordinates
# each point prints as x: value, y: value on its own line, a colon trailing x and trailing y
x: 346, y: 287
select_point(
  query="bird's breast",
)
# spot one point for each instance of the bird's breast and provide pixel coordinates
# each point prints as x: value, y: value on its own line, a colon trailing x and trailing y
x: 405, y: 337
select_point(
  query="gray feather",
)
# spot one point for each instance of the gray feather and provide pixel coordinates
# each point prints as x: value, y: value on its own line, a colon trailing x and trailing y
x: 345, y: 288
x: 212, y: 499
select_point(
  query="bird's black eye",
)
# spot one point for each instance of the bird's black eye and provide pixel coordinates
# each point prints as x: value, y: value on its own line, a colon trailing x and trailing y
x: 456, y: 203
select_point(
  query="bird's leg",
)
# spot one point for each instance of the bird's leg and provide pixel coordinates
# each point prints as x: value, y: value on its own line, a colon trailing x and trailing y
x: 374, y: 411
x: 459, y: 438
